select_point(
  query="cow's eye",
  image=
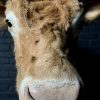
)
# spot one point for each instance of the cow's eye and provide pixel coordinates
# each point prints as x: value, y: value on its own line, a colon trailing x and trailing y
x: 9, y: 23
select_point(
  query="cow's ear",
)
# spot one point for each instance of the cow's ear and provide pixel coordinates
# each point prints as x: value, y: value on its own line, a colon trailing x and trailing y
x: 93, y: 13
x: 75, y: 11
x: 2, y: 15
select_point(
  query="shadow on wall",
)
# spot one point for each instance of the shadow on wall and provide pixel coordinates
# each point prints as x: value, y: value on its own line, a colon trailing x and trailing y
x: 7, y: 67
x: 88, y: 66
x: 85, y: 56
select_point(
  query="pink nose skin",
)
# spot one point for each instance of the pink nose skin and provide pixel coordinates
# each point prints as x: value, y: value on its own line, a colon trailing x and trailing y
x: 68, y: 92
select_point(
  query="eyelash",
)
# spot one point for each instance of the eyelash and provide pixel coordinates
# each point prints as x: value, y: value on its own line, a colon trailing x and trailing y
x: 9, y: 24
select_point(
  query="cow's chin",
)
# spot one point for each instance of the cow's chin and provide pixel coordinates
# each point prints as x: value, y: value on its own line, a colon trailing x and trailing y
x: 48, y: 90
x: 62, y: 93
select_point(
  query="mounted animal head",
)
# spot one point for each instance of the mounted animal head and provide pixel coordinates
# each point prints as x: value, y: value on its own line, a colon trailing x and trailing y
x: 39, y: 22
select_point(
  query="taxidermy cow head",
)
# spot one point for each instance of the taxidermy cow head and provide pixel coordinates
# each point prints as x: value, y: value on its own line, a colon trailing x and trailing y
x: 39, y: 30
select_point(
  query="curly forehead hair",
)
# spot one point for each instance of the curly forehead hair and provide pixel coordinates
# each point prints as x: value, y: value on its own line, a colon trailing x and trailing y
x: 39, y: 12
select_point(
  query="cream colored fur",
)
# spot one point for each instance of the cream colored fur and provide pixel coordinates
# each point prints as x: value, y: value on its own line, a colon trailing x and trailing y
x: 93, y: 13
x: 38, y: 29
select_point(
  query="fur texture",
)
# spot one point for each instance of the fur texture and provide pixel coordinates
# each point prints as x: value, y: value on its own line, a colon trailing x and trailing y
x: 40, y: 52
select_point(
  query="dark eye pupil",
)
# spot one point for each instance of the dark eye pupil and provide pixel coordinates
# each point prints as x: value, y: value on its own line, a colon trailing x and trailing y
x: 9, y: 24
